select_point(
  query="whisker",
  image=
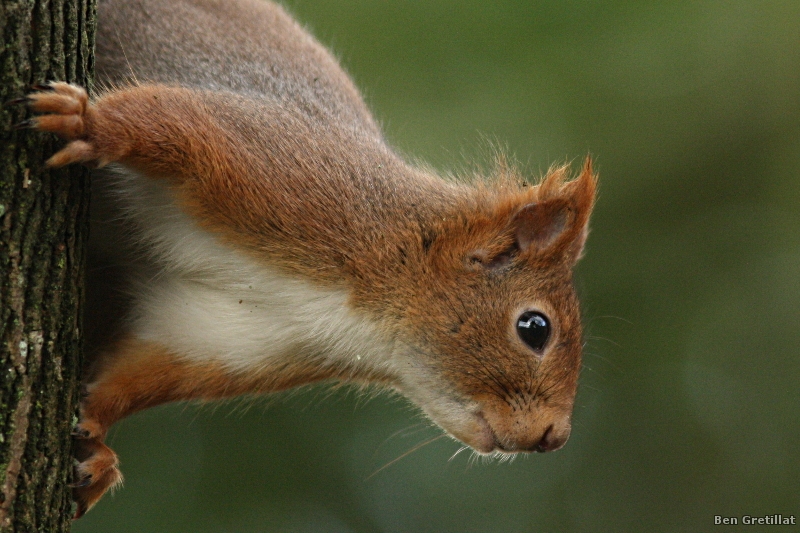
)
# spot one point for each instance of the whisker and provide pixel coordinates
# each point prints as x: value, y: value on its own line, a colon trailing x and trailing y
x: 408, y: 431
x: 598, y: 338
x: 409, y: 452
x: 592, y: 370
x: 473, y: 458
x: 604, y: 359
x: 458, y: 452
x: 585, y: 386
x: 616, y: 318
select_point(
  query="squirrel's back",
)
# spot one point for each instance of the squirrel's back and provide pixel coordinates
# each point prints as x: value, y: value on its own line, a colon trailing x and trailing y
x: 251, y: 47
x: 307, y: 143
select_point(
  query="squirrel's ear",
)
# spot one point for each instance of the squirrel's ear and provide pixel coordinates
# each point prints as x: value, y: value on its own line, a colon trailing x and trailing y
x: 558, y: 222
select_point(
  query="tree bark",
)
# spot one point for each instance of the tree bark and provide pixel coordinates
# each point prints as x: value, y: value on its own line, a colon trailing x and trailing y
x: 43, y: 231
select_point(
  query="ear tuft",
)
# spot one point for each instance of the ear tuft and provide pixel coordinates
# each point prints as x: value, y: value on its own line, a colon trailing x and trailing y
x: 548, y: 222
x: 551, y: 185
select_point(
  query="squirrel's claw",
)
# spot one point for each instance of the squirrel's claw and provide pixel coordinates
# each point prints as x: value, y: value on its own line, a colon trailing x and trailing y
x: 85, y: 482
x: 80, y: 510
x: 16, y: 101
x: 25, y: 124
x: 42, y: 87
x: 81, y: 432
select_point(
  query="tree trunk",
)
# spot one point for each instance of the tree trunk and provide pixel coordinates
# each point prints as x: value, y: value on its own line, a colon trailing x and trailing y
x: 43, y: 231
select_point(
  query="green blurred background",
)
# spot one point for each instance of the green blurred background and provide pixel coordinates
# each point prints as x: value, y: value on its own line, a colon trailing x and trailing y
x: 689, y: 398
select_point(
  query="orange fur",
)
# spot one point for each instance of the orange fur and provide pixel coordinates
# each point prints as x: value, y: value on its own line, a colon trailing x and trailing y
x: 143, y: 374
x: 281, y: 165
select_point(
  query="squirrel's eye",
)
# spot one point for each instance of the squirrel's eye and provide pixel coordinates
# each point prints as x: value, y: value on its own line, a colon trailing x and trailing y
x: 533, y: 329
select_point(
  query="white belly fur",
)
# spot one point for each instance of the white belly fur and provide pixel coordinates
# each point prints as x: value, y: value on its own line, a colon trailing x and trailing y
x: 206, y: 301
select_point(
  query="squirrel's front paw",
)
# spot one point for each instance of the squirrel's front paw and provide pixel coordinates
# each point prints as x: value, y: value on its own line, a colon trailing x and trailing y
x: 96, y: 472
x: 66, y: 112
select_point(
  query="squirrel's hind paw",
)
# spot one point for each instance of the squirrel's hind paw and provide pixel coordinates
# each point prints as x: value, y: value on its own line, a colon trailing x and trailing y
x: 96, y: 472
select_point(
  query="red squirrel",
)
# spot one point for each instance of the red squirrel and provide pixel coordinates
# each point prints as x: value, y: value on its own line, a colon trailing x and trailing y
x: 252, y: 231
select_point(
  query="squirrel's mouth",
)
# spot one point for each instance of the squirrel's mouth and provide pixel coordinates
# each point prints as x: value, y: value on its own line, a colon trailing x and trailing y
x: 485, y: 440
x: 472, y: 429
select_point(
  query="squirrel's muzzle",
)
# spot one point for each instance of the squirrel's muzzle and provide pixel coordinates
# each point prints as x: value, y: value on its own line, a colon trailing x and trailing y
x: 527, y: 430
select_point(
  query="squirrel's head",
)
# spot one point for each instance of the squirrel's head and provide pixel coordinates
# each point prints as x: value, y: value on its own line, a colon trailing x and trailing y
x: 494, y: 349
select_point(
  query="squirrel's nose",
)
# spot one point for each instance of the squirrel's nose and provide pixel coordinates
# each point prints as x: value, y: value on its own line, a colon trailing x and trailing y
x: 544, y: 436
x: 550, y: 441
